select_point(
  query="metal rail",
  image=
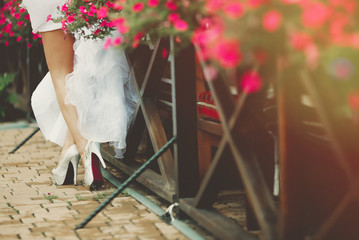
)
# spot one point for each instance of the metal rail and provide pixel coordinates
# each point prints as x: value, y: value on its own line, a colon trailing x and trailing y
x: 126, y: 183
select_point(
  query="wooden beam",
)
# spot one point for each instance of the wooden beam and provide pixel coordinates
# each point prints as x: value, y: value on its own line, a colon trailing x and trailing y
x: 158, y: 140
x: 214, y: 222
x: 148, y: 178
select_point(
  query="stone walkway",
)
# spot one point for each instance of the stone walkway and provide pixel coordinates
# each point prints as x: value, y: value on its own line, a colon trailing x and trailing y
x: 33, y: 207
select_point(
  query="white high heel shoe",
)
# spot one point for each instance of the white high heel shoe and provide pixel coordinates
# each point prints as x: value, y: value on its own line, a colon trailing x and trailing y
x: 66, y: 172
x: 93, y: 176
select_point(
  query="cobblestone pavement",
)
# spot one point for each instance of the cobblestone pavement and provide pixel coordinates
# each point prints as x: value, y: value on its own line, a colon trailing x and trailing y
x: 33, y: 207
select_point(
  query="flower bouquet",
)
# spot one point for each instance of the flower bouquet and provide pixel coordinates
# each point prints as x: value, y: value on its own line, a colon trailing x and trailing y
x: 88, y: 18
x: 133, y: 19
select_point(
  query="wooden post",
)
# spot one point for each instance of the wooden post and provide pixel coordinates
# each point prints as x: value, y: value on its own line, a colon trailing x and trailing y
x: 185, y: 122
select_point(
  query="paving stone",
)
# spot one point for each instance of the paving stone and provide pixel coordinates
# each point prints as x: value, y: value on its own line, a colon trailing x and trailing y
x: 27, y: 182
x: 9, y: 236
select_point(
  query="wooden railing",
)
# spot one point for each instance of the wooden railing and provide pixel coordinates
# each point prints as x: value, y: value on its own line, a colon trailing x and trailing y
x: 194, y: 173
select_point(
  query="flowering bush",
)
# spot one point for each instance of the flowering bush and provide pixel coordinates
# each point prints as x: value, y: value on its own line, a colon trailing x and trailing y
x: 15, y: 25
x: 243, y: 39
x: 157, y: 18
x: 268, y: 37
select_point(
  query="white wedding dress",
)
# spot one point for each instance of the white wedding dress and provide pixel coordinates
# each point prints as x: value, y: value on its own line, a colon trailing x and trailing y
x: 100, y: 87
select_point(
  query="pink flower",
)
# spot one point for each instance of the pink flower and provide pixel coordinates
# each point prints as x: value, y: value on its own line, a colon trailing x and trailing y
x: 29, y: 45
x: 18, y: 39
x: 6, y: 43
x: 17, y: 15
x: 171, y: 5
x: 138, y: 36
x: 63, y: 24
x: 135, y: 44
x: 227, y: 53
x: 272, y: 20
x: 353, y: 40
x: 180, y: 25
x: 173, y: 17
x: 153, y: 3
x: 97, y: 31
x: 82, y: 9
x: 138, y: 7
x: 103, y: 23
x: 22, y: 10
x: 102, y: 12
x: 49, y: 18
x: 36, y: 36
x: 289, y: 1
x: 210, y: 73
x: 110, y: 4
x: 117, y: 6
x: 300, y: 40
x: 213, y: 5
x: 251, y: 82
x: 118, y: 21
x: 353, y: 100
x: 120, y: 24
x: 108, y: 43
x: 70, y: 18
x: 311, y: 53
x: 233, y: 9
x: 19, y: 23
x: 164, y: 53
x: 64, y: 8
x: 117, y: 41
x: 341, y: 68
x: 315, y: 14
x: 92, y: 11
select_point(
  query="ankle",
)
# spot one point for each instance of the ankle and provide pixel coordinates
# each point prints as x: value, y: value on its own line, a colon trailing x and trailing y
x: 81, y: 147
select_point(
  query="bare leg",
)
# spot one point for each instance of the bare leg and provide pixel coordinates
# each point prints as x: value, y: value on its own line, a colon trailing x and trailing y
x: 69, y: 141
x: 59, y: 55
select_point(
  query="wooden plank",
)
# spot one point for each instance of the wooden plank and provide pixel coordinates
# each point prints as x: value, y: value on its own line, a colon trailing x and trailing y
x: 253, y: 179
x: 210, y: 127
x: 155, y: 69
x: 214, y: 222
x: 148, y: 178
x: 206, y: 143
x: 210, y: 184
x: 139, y: 60
x: 135, y: 133
x: 184, y: 114
x: 158, y: 139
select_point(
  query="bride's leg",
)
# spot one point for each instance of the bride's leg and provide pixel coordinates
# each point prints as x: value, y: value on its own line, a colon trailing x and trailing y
x: 69, y: 141
x: 59, y: 55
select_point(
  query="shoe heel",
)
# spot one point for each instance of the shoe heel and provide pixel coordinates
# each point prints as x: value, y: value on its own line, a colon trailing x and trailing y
x: 96, y: 173
x: 96, y: 150
x: 69, y: 178
x: 75, y: 162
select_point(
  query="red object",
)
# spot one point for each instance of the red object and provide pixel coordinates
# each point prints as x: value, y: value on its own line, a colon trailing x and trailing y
x: 206, y: 107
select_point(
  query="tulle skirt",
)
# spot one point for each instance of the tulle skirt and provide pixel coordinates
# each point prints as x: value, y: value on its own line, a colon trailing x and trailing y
x: 101, y: 89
